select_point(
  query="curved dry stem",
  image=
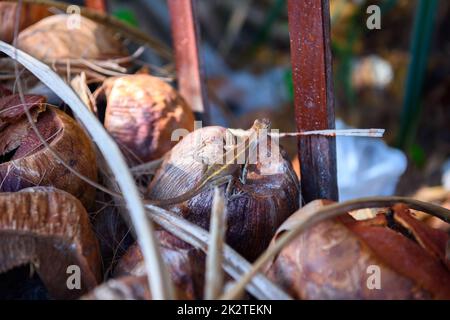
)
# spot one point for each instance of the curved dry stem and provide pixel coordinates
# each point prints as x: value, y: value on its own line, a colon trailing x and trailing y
x: 159, y: 280
x: 313, y: 217
x: 147, y: 167
x: 119, y: 26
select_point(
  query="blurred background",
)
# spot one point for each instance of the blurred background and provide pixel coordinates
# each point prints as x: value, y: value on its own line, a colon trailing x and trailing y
x: 396, y: 78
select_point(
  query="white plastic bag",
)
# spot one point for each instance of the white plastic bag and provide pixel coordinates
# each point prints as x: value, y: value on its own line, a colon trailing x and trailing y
x: 367, y: 166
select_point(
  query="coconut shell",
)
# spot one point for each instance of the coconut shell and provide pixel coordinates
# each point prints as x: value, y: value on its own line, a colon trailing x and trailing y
x: 53, y: 39
x: 26, y: 163
x: 186, y: 264
x: 49, y: 229
x: 254, y: 209
x: 126, y: 288
x: 333, y: 259
x: 142, y: 113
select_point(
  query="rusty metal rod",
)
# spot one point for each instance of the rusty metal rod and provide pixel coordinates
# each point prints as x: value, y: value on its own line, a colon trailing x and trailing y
x: 185, y: 33
x: 309, y: 27
x: 99, y: 5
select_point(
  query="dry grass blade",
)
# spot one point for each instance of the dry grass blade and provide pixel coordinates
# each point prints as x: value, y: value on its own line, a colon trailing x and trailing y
x: 235, y: 24
x: 218, y: 227
x: 311, y: 217
x: 116, y: 24
x: 146, y: 168
x: 371, y: 133
x: 80, y: 86
x: 259, y: 286
x: 158, y: 280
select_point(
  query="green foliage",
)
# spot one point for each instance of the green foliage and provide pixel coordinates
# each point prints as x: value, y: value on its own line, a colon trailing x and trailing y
x: 417, y: 155
x: 289, y: 83
x: 421, y: 38
x: 126, y: 16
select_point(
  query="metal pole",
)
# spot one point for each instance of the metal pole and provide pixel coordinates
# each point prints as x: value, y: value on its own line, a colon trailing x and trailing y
x: 309, y: 26
x: 99, y: 5
x: 185, y: 33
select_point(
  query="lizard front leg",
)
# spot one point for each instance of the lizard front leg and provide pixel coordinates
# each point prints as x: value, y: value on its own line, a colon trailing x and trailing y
x: 229, y: 188
x: 253, y: 147
x: 244, y: 172
x: 229, y: 191
x: 229, y: 179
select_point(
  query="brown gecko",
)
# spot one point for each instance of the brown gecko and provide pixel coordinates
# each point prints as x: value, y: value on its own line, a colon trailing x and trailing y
x: 218, y: 174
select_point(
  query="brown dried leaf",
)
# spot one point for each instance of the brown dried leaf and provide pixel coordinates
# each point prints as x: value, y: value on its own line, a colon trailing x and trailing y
x: 432, y: 240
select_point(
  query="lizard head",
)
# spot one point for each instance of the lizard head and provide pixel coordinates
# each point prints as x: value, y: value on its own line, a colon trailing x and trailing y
x: 261, y: 124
